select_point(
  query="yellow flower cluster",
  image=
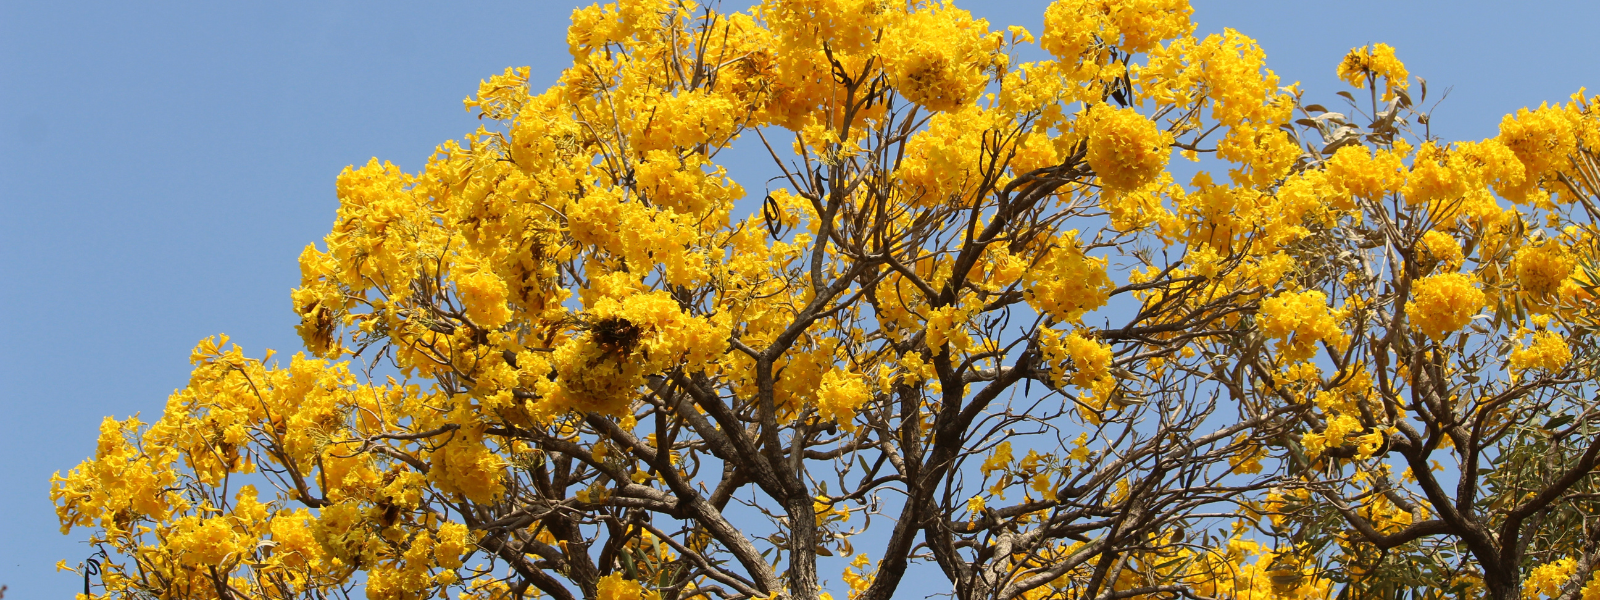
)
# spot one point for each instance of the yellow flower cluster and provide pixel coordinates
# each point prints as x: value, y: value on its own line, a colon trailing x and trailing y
x: 1439, y: 252
x: 1298, y: 320
x: 1244, y: 569
x: 1547, y: 579
x: 1125, y: 149
x: 1548, y: 352
x: 628, y: 339
x: 1542, y: 267
x: 237, y: 410
x: 999, y: 460
x: 949, y: 324
x: 201, y: 542
x: 857, y: 576
x: 839, y: 396
x: 1443, y: 303
x: 1456, y: 180
x: 615, y: 587
x: 1091, y: 363
x: 1365, y: 65
x: 468, y: 467
x: 1137, y: 209
x: 1339, y: 427
x: 939, y: 160
x: 1358, y: 171
x: 1542, y: 140
x: 595, y: 27
x: 939, y: 56
x: 501, y: 96
x: 1385, y: 515
x: 120, y: 479
x: 1226, y: 71
x: 1066, y: 283
x: 1073, y: 28
x: 1090, y: 368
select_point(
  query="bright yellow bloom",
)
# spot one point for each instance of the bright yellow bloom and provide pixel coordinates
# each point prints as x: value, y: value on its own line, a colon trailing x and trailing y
x: 840, y: 395
x: 1298, y: 320
x: 1067, y: 283
x: 1548, y: 352
x: 1073, y: 27
x: 1440, y: 252
x: 938, y: 56
x: 1546, y: 580
x: 1542, y: 140
x: 998, y: 460
x: 1126, y: 149
x: 1443, y: 303
x: 1541, y: 268
x: 615, y: 587
x: 1365, y: 65
x: 1358, y: 171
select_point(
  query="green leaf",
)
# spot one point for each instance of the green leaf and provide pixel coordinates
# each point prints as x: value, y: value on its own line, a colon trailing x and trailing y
x: 1558, y: 421
x: 628, y: 566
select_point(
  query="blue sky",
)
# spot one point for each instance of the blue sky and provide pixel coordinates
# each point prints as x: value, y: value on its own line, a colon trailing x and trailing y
x: 163, y: 164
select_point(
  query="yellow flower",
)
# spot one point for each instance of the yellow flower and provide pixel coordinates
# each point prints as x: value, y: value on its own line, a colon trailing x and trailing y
x: 1439, y: 252
x: 1443, y: 303
x: 1547, y: 579
x: 999, y: 460
x: 1541, y: 139
x: 1358, y: 171
x: 839, y: 396
x: 1125, y: 149
x: 206, y: 542
x: 937, y: 56
x: 1073, y: 27
x: 1066, y: 283
x: 1298, y: 320
x: 1365, y: 65
x: 1091, y: 361
x: 1541, y: 268
x: 614, y: 587
x: 1548, y: 352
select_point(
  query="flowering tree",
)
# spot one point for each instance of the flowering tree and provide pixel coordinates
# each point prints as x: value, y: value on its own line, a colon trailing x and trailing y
x: 975, y: 308
x: 1450, y: 427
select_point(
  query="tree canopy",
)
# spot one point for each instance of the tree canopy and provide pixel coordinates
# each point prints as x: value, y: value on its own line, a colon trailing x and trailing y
x: 979, y: 327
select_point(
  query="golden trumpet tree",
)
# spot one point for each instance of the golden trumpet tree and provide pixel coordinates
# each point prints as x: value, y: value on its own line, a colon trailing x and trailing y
x: 975, y: 308
x: 1439, y: 333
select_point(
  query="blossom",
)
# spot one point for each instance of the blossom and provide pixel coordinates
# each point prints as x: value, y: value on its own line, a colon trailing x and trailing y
x: 1298, y: 320
x: 999, y: 460
x: 1547, y: 579
x: 1547, y: 352
x: 1541, y: 268
x: 1125, y: 149
x: 1358, y: 171
x: 1365, y: 65
x: 1443, y: 303
x: 937, y: 57
x: 1066, y: 283
x: 1440, y: 252
x: 1541, y: 139
x: 840, y: 395
x: 615, y: 587
x: 1071, y: 27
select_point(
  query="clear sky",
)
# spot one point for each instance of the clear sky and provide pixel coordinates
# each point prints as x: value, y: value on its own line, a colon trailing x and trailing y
x: 163, y: 164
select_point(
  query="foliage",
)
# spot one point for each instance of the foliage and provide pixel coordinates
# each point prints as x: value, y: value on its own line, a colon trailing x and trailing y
x: 1348, y: 358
